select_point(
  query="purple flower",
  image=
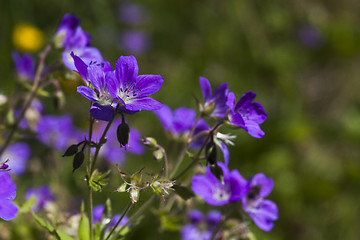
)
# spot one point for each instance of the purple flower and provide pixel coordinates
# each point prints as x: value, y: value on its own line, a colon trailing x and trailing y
x: 73, y: 38
x: 42, y: 194
x: 135, y: 41
x: 102, y: 108
x: 177, y: 122
x: 310, y: 36
x: 18, y: 154
x: 131, y: 13
x: 87, y: 54
x: 200, y: 227
x: 246, y: 114
x: 8, y: 209
x: 98, y: 213
x: 58, y: 132
x: 25, y: 66
x: 131, y: 89
x: 214, y: 192
x: 214, y: 103
x: 111, y: 150
x: 261, y: 210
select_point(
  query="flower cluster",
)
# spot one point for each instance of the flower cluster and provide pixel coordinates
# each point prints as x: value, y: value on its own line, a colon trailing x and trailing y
x: 234, y: 188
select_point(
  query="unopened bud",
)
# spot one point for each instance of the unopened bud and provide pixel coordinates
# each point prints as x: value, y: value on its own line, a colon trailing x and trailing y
x: 158, y: 155
x: 217, y: 172
x: 211, y: 153
x: 150, y: 142
x: 134, y: 195
x: 73, y: 149
x: 78, y: 160
x: 123, y: 134
x: 209, y: 108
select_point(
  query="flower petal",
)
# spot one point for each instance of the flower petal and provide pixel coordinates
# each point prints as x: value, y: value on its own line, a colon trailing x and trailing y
x: 88, y: 93
x: 148, y: 84
x: 81, y: 67
x: 224, y: 150
x: 166, y: 117
x: 145, y: 103
x: 245, y: 100
x: 8, y: 187
x: 97, y: 78
x: 205, y: 88
x: 230, y: 100
x: 264, y: 215
x: 127, y: 70
x: 102, y: 112
x: 8, y: 210
x: 254, y: 129
x: 266, y: 184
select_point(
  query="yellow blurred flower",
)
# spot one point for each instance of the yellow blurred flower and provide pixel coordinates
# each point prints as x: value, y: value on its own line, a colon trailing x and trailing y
x: 27, y: 37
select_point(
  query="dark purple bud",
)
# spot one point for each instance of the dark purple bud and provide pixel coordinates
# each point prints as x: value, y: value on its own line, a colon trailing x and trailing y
x: 71, y: 150
x: 78, y: 160
x: 123, y: 134
x: 217, y: 172
x: 211, y: 152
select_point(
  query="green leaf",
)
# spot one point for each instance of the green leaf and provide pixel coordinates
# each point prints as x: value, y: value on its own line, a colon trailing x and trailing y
x: 184, y: 192
x: 26, y: 207
x: 84, y: 230
x: 98, y: 180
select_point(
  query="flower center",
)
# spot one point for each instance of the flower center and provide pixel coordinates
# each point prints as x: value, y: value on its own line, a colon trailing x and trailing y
x: 221, y: 194
x: 129, y: 91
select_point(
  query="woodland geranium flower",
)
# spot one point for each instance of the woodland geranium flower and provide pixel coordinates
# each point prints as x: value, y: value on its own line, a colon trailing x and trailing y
x: 201, y: 227
x: 8, y: 209
x: 214, y: 103
x: 177, y: 122
x: 132, y: 90
x: 58, y: 132
x: 25, y: 66
x: 42, y: 195
x: 214, y: 192
x: 246, y: 114
x: 102, y: 108
x: 261, y: 210
x: 18, y: 154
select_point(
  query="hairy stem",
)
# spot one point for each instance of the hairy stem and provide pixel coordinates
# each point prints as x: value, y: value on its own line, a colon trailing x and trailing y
x: 118, y: 222
x: 30, y: 98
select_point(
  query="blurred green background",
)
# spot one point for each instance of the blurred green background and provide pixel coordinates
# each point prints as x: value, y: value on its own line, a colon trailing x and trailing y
x: 302, y: 58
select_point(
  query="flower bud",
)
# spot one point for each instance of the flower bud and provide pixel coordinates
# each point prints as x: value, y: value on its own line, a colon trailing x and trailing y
x: 211, y: 152
x: 158, y: 155
x: 134, y: 195
x: 73, y: 149
x: 123, y: 134
x: 150, y: 142
x: 209, y: 108
x: 78, y: 160
x: 217, y: 172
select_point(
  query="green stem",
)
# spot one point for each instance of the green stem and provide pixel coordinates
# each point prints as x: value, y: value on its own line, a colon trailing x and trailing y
x: 137, y: 213
x: 91, y: 122
x: 118, y: 222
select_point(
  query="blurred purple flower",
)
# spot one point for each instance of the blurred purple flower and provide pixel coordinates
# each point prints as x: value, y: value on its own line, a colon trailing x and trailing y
x: 177, y: 122
x: 32, y: 115
x: 214, y: 192
x: 135, y: 42
x: 131, y: 89
x: 18, y: 154
x: 131, y: 13
x: 8, y: 209
x: 42, y: 194
x: 98, y: 212
x: 310, y: 36
x: 214, y: 103
x: 201, y: 228
x: 111, y: 150
x: 261, y: 210
x: 72, y: 38
x: 58, y: 131
x: 25, y: 65
x: 246, y: 114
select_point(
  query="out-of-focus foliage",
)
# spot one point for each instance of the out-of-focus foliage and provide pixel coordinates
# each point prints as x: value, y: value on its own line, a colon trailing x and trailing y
x: 302, y: 58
